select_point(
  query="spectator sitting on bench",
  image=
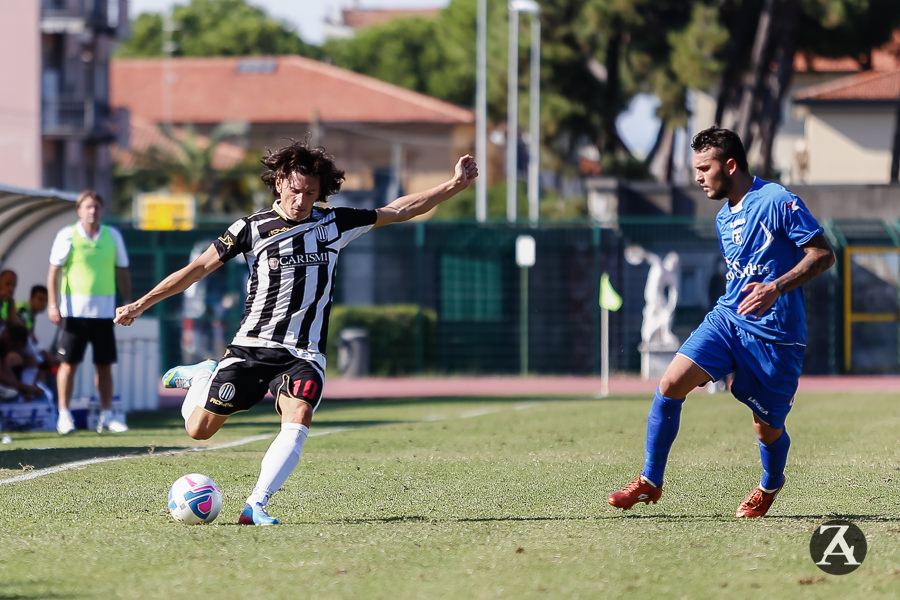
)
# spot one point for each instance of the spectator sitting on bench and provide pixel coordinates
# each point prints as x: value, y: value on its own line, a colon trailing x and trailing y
x: 13, y: 342
x: 48, y: 363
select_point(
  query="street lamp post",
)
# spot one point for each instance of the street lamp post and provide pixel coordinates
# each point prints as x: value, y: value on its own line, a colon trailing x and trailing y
x: 512, y: 109
x: 534, y: 120
x: 481, y: 112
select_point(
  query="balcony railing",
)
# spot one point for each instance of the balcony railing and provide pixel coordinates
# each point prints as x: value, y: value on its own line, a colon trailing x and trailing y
x: 76, y: 118
x: 94, y: 14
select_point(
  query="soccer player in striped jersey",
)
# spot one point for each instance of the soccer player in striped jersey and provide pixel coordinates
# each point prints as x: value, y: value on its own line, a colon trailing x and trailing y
x: 291, y: 250
x: 772, y: 245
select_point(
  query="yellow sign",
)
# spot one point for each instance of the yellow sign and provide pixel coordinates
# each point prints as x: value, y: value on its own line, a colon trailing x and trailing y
x: 161, y: 211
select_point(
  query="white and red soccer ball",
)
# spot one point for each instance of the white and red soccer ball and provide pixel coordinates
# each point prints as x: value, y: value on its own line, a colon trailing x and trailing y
x: 195, y: 499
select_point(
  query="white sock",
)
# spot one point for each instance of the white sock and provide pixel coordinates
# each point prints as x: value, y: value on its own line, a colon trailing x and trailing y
x: 196, y: 395
x: 106, y: 415
x: 279, y: 462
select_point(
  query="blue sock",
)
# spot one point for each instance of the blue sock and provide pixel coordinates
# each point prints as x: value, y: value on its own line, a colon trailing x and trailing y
x: 662, y: 427
x: 774, y: 457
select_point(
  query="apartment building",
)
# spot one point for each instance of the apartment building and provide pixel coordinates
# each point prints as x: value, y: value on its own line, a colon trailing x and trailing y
x: 56, y: 128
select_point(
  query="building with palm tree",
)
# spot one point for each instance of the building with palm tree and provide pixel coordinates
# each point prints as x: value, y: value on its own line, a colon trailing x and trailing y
x: 385, y: 137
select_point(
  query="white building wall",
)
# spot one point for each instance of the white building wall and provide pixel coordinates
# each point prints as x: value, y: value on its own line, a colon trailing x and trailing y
x: 809, y: 145
x: 849, y: 147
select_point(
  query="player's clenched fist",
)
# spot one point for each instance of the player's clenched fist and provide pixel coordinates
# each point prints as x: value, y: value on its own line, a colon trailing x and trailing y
x: 125, y: 315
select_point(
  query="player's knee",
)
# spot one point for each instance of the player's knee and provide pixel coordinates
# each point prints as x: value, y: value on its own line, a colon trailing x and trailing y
x: 198, y: 432
x: 295, y: 410
x: 765, y: 432
x: 672, y: 387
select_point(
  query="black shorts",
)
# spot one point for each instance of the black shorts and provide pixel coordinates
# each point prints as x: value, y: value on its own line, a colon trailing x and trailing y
x: 245, y: 374
x: 77, y: 333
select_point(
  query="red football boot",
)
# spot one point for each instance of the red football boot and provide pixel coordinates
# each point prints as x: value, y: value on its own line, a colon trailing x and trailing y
x: 757, y: 503
x: 638, y: 490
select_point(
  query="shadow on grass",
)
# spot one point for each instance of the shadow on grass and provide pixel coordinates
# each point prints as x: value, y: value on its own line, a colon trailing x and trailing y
x: 255, y: 418
x: 41, y: 458
x: 589, y: 518
x: 401, y: 519
x: 423, y: 519
x: 732, y: 518
x: 10, y: 593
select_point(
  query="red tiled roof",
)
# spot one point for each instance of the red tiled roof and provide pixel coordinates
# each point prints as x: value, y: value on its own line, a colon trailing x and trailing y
x: 866, y: 86
x: 267, y: 89
x: 360, y: 19
x: 884, y: 58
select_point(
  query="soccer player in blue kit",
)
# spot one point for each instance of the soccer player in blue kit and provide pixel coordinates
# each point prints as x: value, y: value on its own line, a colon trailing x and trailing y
x: 772, y: 245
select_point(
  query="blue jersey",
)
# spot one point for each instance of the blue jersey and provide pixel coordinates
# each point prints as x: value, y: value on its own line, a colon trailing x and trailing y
x: 760, y: 239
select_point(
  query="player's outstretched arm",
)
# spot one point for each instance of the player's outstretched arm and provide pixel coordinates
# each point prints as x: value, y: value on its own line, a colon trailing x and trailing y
x: 174, y: 283
x: 407, y: 207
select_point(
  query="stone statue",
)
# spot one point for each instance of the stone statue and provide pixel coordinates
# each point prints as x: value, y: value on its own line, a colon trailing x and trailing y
x: 660, y: 296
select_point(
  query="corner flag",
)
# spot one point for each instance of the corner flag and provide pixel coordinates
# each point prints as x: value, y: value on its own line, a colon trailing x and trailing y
x: 609, y: 299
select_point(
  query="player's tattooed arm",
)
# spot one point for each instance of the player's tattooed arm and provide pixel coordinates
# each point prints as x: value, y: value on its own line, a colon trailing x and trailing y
x: 760, y: 297
x: 818, y: 258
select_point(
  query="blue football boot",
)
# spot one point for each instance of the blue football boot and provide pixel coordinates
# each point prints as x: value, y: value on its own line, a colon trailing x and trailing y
x: 182, y: 375
x: 256, y: 514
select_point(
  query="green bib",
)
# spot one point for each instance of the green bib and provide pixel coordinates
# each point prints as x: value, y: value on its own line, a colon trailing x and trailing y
x: 91, y: 266
x: 24, y: 310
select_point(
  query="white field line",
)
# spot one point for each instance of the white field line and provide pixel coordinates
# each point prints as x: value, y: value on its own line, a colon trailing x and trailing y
x: 34, y: 474
x: 94, y: 461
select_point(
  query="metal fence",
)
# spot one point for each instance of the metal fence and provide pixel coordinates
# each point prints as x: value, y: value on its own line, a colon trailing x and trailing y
x: 467, y: 277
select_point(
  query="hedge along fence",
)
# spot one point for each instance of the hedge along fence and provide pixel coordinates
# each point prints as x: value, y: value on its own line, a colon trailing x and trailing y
x: 401, y: 337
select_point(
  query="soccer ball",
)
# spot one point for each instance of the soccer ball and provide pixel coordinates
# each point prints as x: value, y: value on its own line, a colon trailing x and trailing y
x: 195, y: 499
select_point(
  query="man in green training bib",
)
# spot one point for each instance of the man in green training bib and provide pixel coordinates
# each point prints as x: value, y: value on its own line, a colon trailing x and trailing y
x: 88, y: 264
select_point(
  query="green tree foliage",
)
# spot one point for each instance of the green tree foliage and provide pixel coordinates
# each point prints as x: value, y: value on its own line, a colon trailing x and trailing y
x: 553, y: 207
x: 832, y: 28
x: 432, y: 56
x: 213, y: 28
x: 837, y: 28
x: 401, y: 51
x: 595, y: 55
x: 696, y: 59
x: 599, y: 55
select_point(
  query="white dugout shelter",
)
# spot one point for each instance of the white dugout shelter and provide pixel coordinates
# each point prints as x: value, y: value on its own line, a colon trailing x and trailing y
x: 29, y: 220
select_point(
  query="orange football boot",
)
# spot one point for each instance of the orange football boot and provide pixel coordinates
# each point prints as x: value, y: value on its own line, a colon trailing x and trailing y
x: 638, y: 490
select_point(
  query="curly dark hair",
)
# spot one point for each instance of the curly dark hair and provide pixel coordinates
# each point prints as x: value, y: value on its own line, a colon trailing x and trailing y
x: 726, y: 144
x: 299, y: 157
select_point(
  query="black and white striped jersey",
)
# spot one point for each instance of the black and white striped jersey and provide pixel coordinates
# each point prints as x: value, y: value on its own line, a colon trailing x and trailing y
x: 292, y: 266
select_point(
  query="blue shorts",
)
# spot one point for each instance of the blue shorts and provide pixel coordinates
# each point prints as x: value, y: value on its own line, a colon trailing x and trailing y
x: 766, y: 374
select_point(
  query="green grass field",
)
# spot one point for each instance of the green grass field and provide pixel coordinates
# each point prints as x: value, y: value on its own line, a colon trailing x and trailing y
x: 457, y: 498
